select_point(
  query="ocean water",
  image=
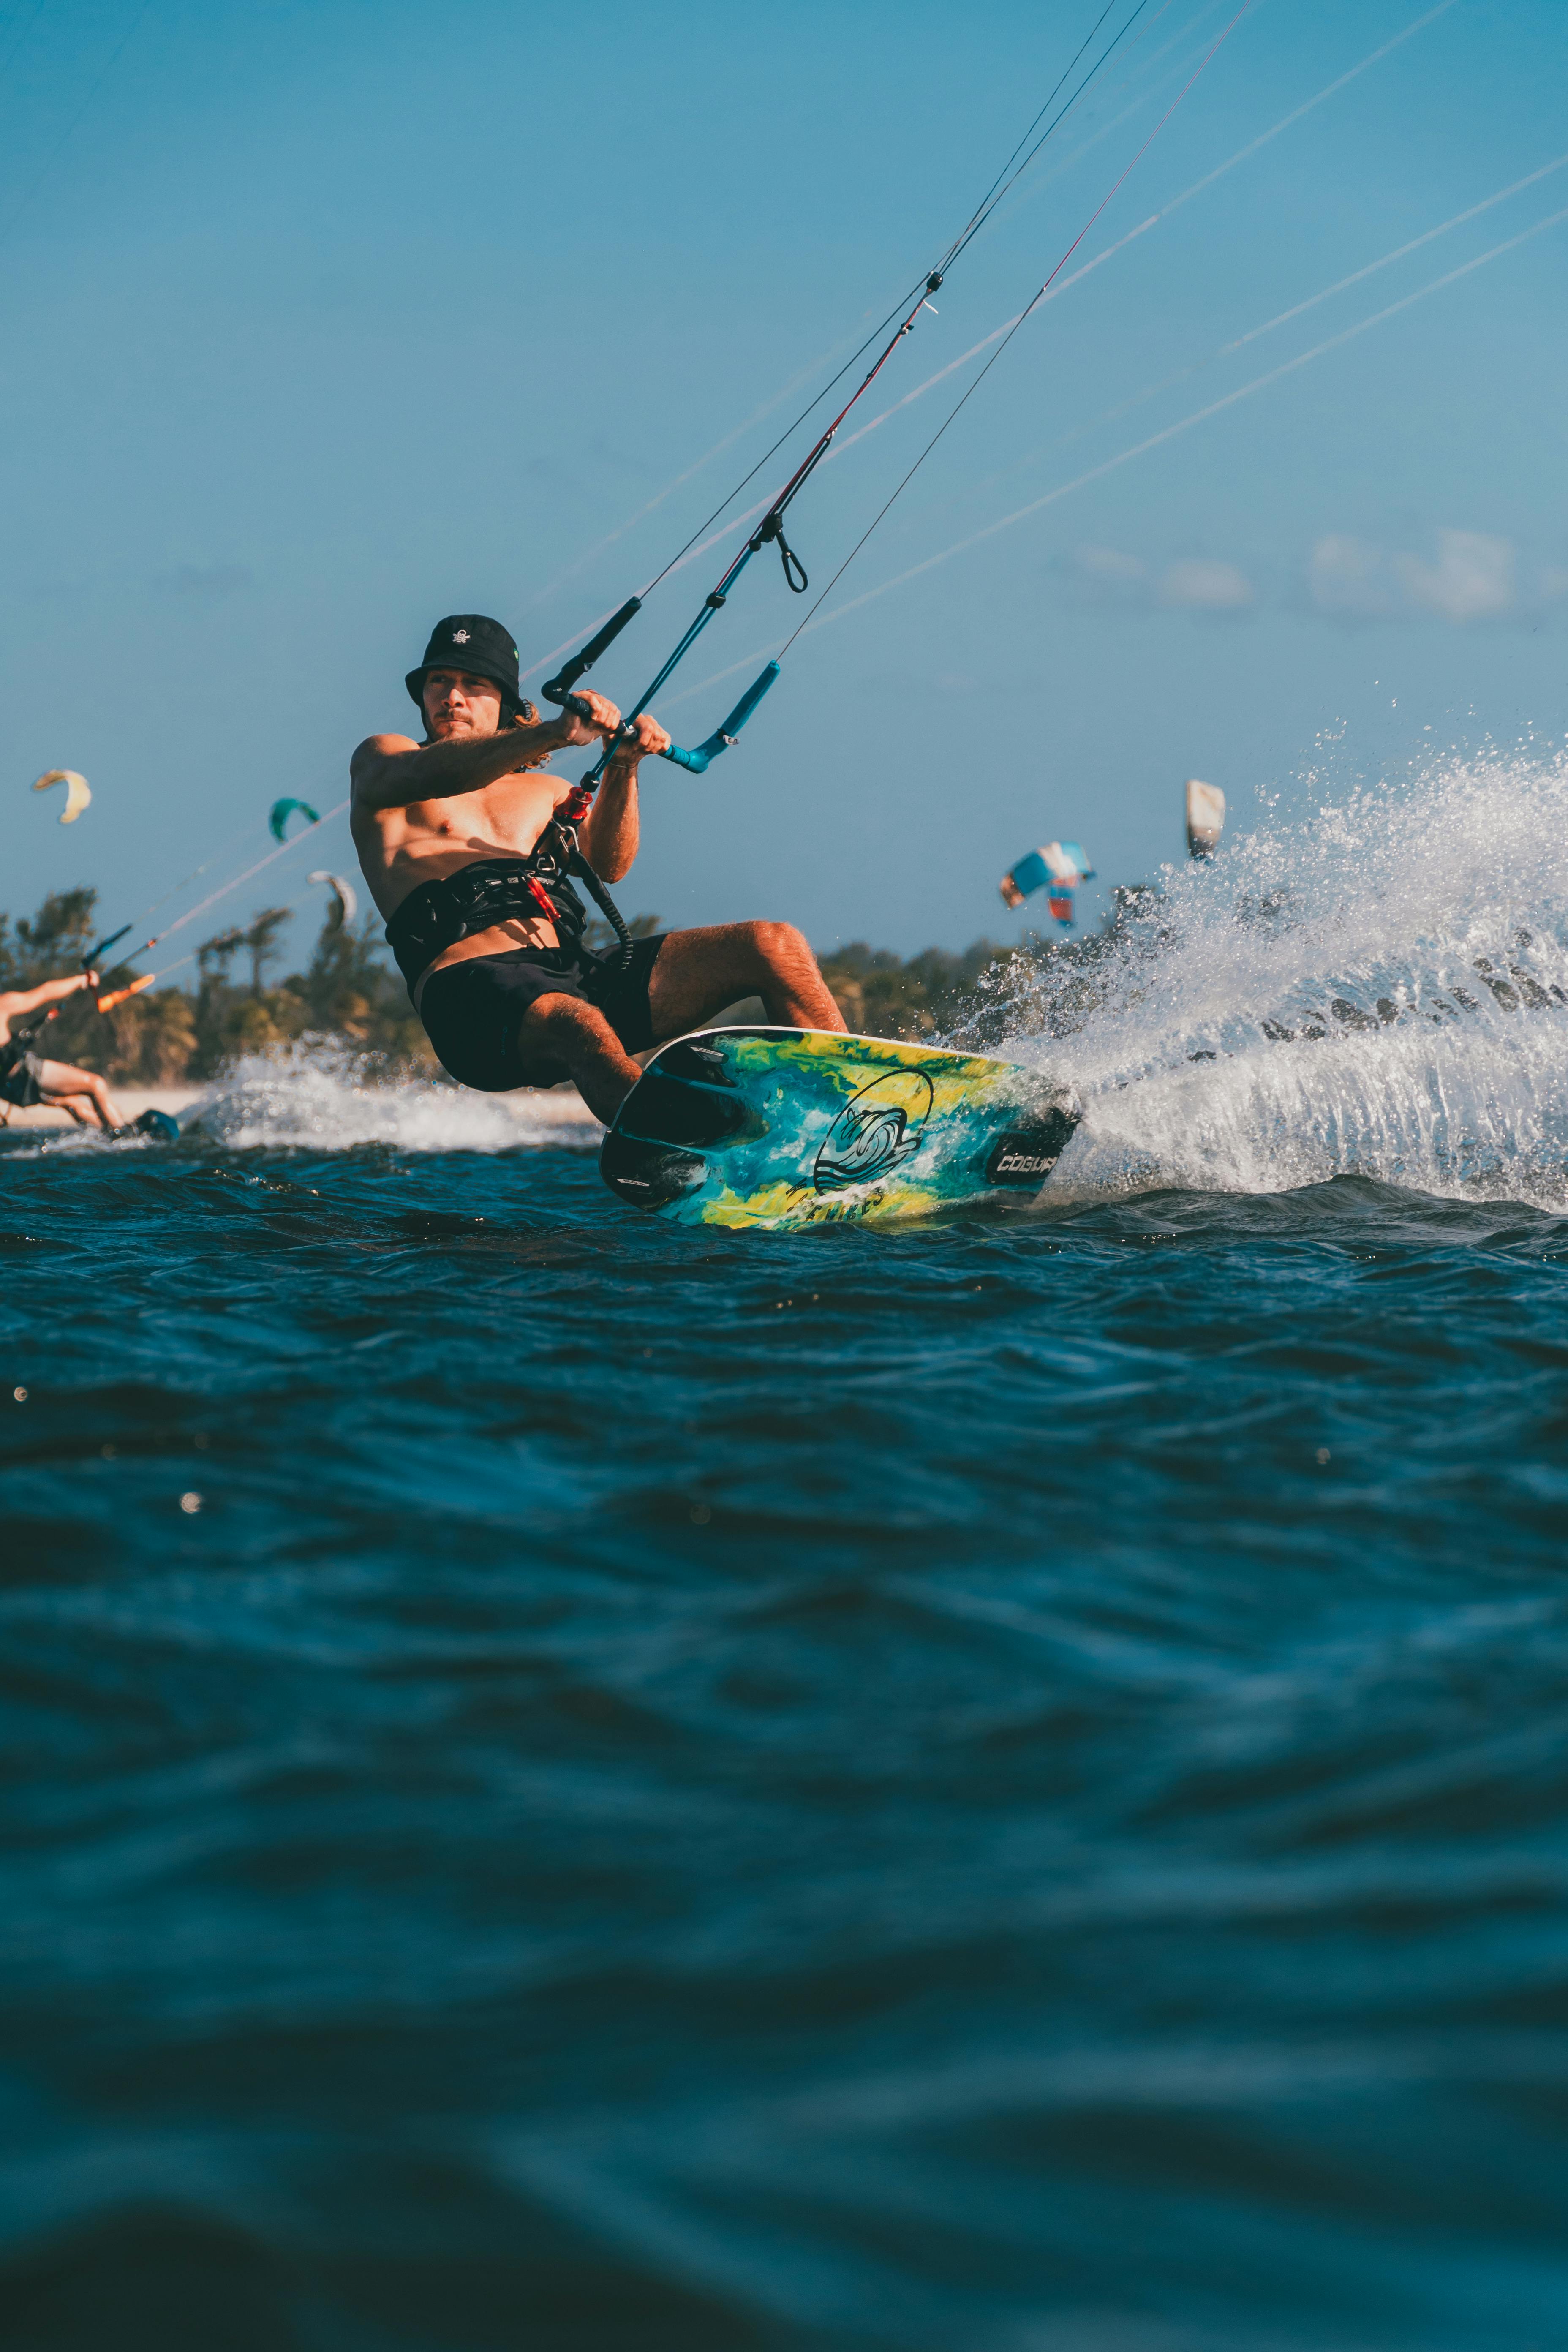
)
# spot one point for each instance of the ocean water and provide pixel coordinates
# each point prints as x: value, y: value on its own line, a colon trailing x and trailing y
x: 997, y: 1786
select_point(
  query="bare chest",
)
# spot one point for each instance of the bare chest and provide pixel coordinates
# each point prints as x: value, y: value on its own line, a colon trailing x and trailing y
x: 427, y: 838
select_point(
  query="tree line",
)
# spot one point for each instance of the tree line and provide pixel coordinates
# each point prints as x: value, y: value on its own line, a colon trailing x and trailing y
x: 182, y: 1034
x: 349, y: 993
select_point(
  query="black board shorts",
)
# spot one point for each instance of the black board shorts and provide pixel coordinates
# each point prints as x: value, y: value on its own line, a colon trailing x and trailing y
x: 20, y: 1077
x: 473, y: 1011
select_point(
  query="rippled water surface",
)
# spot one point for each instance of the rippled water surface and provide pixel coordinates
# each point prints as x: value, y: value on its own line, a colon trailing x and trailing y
x: 996, y: 1787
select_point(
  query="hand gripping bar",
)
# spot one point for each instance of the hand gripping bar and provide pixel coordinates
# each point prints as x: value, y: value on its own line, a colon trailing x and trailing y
x: 558, y: 690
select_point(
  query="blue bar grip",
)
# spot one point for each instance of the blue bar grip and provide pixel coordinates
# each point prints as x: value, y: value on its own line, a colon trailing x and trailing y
x: 749, y: 701
x: 695, y: 760
x: 699, y: 759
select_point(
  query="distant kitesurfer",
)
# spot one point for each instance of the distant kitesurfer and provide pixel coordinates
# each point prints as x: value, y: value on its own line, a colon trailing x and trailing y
x: 458, y: 844
x: 26, y: 1078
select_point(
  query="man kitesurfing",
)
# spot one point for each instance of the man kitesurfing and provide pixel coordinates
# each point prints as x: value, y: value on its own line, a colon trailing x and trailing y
x: 468, y: 842
x: 26, y: 1079
x: 465, y: 855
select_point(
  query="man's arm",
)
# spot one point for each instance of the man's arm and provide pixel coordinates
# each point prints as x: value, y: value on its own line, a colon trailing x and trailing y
x: 16, y: 1002
x: 390, y: 770
x: 611, y: 830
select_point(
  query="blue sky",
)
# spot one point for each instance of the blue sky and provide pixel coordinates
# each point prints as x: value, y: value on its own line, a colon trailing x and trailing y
x: 324, y: 320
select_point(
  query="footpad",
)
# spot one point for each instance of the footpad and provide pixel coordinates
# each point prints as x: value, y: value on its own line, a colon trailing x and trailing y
x: 661, y: 1109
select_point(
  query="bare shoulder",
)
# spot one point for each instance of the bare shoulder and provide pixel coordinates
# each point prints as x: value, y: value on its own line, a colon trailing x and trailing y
x: 376, y: 748
x: 378, y: 773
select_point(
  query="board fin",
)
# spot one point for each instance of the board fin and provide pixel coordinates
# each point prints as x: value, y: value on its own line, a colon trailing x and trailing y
x: 649, y: 1175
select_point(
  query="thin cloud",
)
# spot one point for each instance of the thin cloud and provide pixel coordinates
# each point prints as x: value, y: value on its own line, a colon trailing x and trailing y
x: 1105, y: 575
x: 1350, y: 580
x: 1199, y: 585
x: 1476, y: 576
x: 1472, y: 580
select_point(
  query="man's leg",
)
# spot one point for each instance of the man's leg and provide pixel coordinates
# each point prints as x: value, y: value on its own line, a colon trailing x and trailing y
x: 567, y: 1029
x: 698, y: 973
x: 63, y: 1083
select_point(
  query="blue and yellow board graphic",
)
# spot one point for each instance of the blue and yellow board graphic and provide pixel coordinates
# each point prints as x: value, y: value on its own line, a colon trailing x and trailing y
x: 788, y: 1128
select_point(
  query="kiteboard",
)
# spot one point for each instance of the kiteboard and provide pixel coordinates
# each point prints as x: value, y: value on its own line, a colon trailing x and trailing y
x: 791, y: 1128
x: 152, y: 1127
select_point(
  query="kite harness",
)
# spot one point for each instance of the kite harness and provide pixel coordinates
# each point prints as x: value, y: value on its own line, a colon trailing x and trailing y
x: 491, y: 890
x: 19, y: 1070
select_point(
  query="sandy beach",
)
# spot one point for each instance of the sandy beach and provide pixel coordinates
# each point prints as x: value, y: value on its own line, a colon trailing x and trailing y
x: 557, y: 1106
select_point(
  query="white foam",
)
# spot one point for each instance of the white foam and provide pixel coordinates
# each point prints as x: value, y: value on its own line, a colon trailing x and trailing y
x: 1388, y: 897
x: 316, y: 1096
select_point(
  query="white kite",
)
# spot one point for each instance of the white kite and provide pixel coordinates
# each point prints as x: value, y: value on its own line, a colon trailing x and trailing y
x: 76, y: 793
x: 1205, y: 818
x: 343, y: 892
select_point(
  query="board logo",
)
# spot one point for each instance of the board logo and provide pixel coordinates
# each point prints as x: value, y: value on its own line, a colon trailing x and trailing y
x: 875, y: 1133
x: 1026, y: 1158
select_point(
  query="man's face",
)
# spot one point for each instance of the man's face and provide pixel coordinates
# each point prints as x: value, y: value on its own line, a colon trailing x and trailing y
x: 458, y: 704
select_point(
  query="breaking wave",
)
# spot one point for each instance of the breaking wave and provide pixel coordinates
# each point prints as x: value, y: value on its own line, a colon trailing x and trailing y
x: 317, y: 1096
x: 1378, y: 990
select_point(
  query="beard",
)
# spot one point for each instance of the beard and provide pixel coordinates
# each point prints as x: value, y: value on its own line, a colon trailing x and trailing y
x: 447, y: 726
